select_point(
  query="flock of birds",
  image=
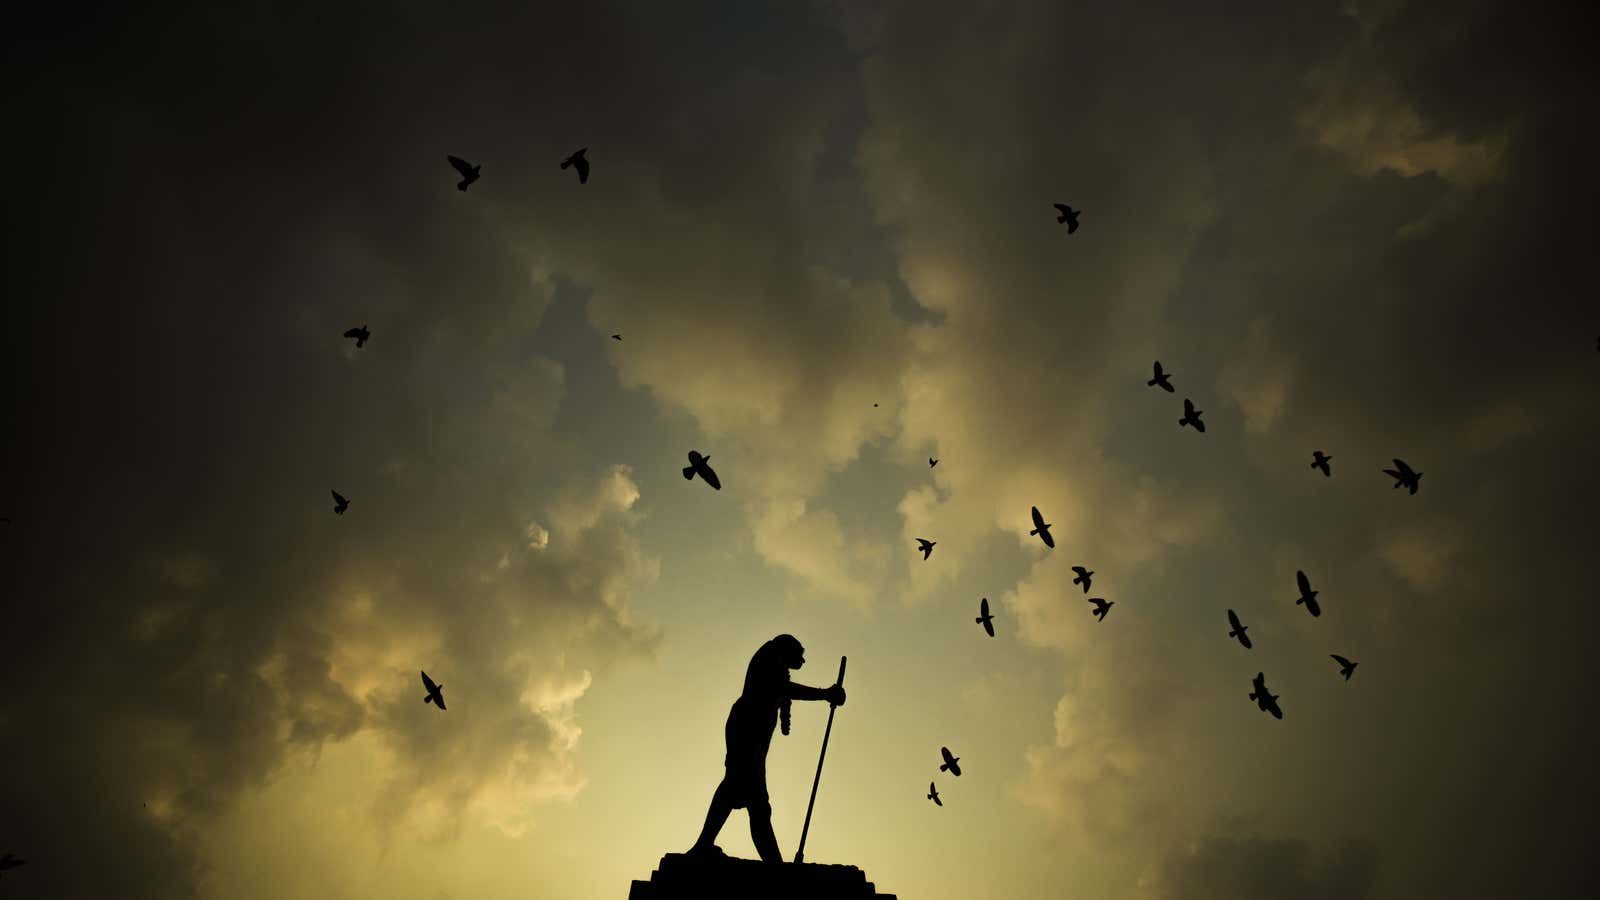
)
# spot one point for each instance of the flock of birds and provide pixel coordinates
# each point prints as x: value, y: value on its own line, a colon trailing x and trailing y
x: 700, y: 466
x: 1267, y: 701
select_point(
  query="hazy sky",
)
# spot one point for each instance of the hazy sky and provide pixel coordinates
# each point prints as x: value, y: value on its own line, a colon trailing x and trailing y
x: 1360, y: 227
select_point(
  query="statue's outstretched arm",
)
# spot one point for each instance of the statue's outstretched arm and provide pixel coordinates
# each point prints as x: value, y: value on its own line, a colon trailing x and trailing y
x: 834, y: 694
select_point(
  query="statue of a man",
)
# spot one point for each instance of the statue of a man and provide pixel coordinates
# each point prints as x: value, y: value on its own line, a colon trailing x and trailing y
x: 767, y: 692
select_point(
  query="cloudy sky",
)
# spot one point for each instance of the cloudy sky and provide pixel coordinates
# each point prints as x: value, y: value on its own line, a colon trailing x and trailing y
x: 825, y: 233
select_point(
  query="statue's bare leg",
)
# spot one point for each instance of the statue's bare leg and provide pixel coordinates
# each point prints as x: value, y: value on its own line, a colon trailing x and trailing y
x: 716, y: 817
x: 761, y: 834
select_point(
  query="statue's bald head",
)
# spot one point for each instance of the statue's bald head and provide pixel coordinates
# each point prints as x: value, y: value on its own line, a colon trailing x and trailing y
x: 789, y: 650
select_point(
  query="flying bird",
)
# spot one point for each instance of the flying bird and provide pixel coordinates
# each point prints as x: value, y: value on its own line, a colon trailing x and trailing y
x: 1346, y: 667
x: 1042, y: 529
x: 578, y: 160
x: 1069, y: 216
x: 701, y: 465
x: 950, y: 762
x: 1191, y: 416
x: 1161, y: 379
x: 360, y: 334
x: 469, y: 172
x: 616, y: 337
x: 1264, y: 698
x: 1084, y: 576
x: 1307, y: 595
x: 926, y: 547
x: 1403, y: 476
x: 435, y: 691
x: 1238, y: 630
x: 933, y: 794
x: 1101, y: 607
x: 1319, y: 461
x: 11, y: 861
x: 984, y: 619
x: 932, y: 462
x: 340, y: 504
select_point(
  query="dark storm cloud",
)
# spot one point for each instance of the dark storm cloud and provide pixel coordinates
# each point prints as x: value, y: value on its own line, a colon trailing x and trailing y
x: 233, y: 190
x: 1257, y: 868
x: 1305, y: 216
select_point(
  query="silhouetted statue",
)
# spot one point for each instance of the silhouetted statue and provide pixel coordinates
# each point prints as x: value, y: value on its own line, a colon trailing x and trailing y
x: 701, y: 465
x: 984, y: 619
x: 360, y: 334
x: 748, y: 733
x: 469, y: 172
x: 1319, y: 461
x: 933, y: 794
x: 1084, y: 577
x: 1238, y: 631
x: 926, y: 546
x: 616, y: 337
x: 1069, y: 216
x: 1403, y: 476
x: 950, y: 762
x: 11, y: 861
x: 1161, y: 379
x: 1101, y: 607
x: 1191, y: 416
x: 577, y: 159
x: 1307, y: 595
x: 435, y: 691
x: 1042, y: 529
x: 1265, y: 699
x: 340, y: 504
x: 932, y: 462
x: 1346, y: 667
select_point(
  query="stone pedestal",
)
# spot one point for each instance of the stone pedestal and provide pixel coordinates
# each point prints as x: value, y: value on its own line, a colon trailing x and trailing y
x: 681, y: 877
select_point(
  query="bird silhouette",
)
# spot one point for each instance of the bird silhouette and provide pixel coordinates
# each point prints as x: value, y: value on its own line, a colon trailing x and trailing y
x: 1069, y: 216
x: 1084, y: 577
x: 1403, y: 476
x: 1265, y: 699
x: 11, y: 861
x: 1238, y: 630
x: 340, y: 504
x: 932, y: 462
x: 1042, y: 529
x: 1346, y: 667
x: 435, y: 691
x: 1319, y: 461
x: 701, y: 465
x: 1191, y: 416
x: 1307, y: 595
x: 984, y: 619
x: 1101, y: 607
x: 582, y: 164
x: 360, y: 334
x: 926, y: 547
x: 1162, y: 379
x: 616, y: 337
x: 950, y: 762
x: 469, y: 172
x: 933, y: 794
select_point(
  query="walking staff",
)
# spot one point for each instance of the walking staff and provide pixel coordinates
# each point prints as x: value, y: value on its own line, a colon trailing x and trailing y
x: 800, y: 854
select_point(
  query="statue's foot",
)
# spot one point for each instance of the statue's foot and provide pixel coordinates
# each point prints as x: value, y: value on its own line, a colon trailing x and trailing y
x: 705, y: 850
